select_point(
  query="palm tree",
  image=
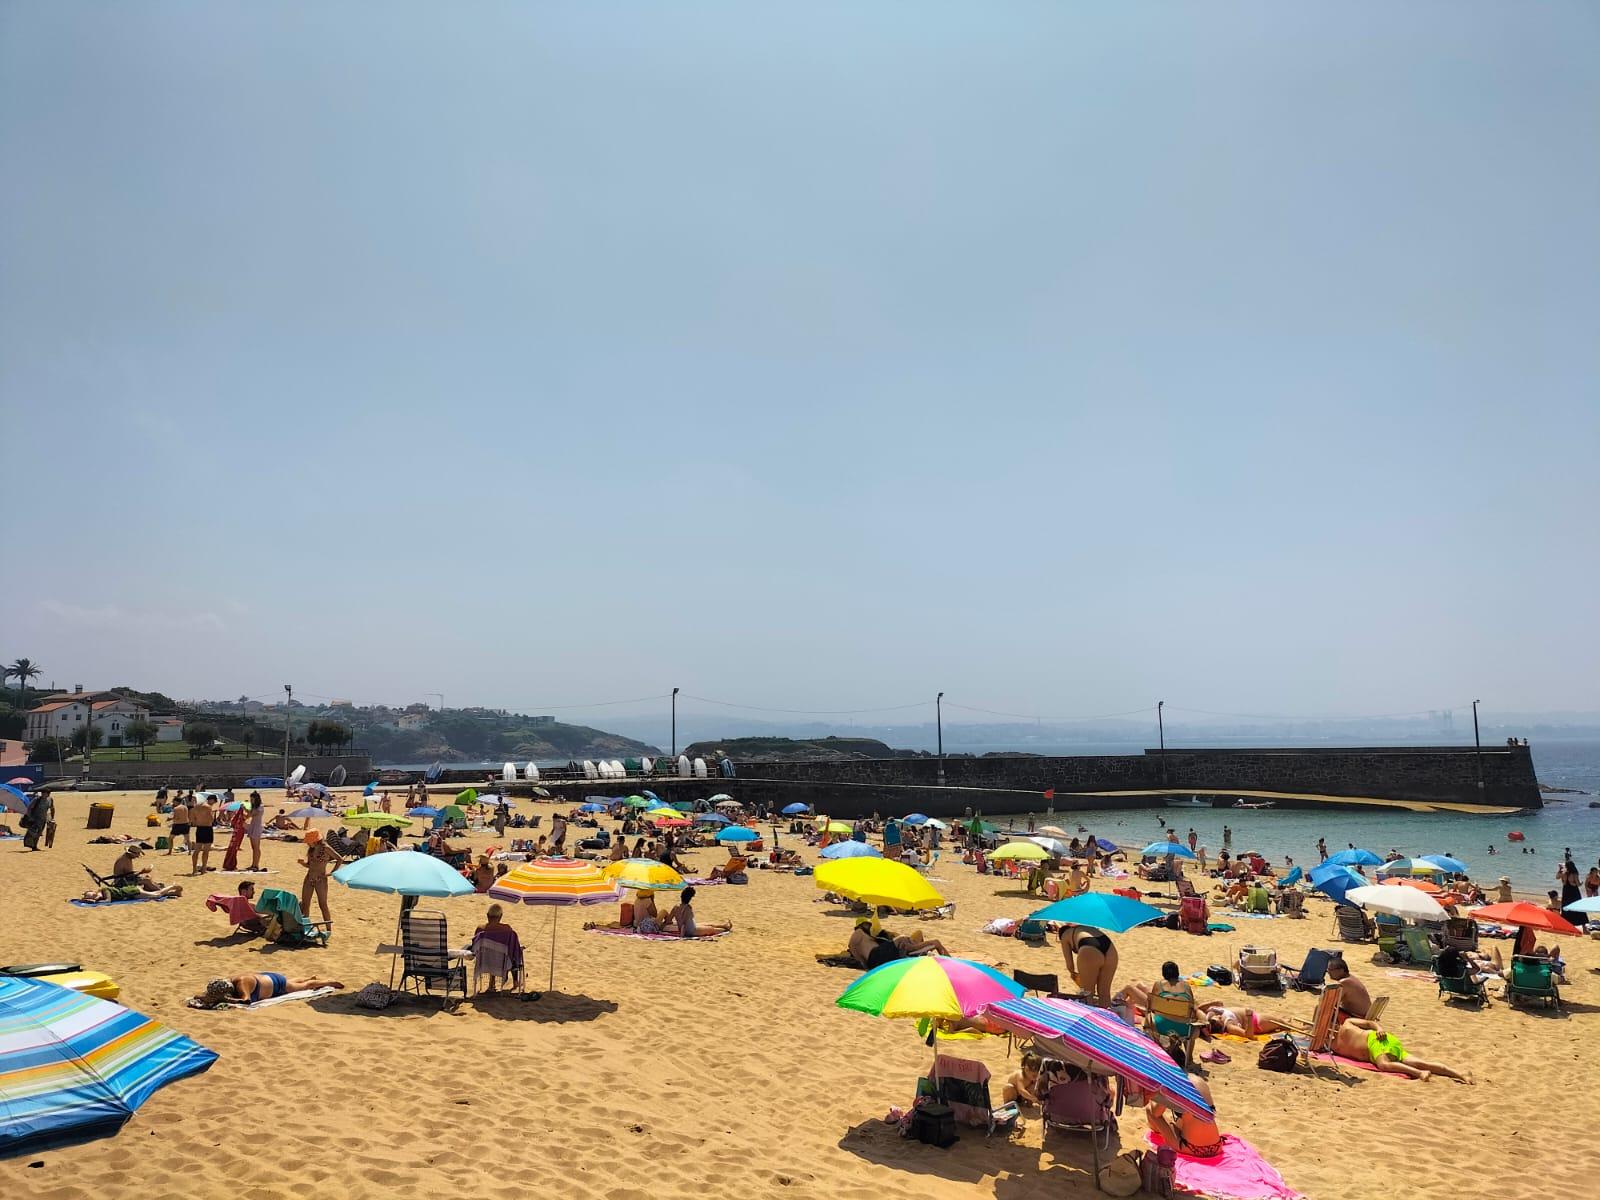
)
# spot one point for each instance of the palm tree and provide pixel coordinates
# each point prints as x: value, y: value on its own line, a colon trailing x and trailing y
x: 23, y: 670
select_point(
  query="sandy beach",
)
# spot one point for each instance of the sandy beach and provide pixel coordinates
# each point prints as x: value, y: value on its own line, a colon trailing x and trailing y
x: 721, y: 1068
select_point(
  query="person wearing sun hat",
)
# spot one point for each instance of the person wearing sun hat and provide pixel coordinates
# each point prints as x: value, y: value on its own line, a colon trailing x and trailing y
x: 319, y: 856
x: 1503, y: 891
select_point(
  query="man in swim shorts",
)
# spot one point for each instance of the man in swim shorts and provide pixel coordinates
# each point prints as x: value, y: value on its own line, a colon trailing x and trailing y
x: 1367, y: 1041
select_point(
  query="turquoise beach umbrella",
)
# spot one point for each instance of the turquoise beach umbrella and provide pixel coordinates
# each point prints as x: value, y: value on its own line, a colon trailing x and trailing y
x: 1162, y: 849
x: 1114, y: 914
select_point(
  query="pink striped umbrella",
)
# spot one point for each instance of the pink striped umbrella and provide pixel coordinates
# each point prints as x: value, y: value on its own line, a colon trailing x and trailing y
x: 558, y: 881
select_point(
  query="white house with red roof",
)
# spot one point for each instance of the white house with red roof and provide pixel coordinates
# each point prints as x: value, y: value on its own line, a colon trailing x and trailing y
x: 64, y: 713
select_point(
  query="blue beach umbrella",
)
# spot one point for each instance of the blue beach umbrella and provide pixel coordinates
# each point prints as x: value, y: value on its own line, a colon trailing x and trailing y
x: 403, y: 873
x: 1292, y: 877
x: 1355, y: 858
x: 915, y: 818
x: 73, y: 1066
x: 738, y: 833
x: 795, y: 810
x: 1105, y: 844
x: 1101, y: 910
x: 1332, y: 879
x: 370, y: 788
x: 1162, y: 849
x: 588, y: 808
x: 423, y: 810
x: 13, y: 798
x: 850, y: 848
x: 1445, y: 863
x: 711, y: 819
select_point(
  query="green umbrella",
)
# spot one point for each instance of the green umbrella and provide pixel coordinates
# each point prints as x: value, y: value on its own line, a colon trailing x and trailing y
x: 454, y: 812
x: 638, y: 802
x: 981, y: 827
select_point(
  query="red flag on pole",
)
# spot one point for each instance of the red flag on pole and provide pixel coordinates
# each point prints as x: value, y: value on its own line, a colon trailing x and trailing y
x: 1050, y: 795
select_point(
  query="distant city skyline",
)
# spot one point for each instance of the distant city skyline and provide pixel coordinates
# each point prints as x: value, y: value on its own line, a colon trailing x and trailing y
x: 824, y: 357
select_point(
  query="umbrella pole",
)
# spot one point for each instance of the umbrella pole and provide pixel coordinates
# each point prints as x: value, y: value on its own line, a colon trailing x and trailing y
x: 398, y: 940
x: 555, y: 914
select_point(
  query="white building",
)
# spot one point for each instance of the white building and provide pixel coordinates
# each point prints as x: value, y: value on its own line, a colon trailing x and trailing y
x: 64, y: 713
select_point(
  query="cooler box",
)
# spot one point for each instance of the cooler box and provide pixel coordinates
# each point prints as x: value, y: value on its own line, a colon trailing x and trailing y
x: 100, y: 816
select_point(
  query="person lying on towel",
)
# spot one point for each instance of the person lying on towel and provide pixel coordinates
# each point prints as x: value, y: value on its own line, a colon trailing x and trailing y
x: 252, y: 989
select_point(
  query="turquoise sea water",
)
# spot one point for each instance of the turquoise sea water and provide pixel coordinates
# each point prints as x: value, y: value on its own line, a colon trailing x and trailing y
x: 1564, y: 821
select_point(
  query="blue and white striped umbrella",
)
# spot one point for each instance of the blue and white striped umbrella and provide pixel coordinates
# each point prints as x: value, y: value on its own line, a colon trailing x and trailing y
x: 74, y: 1066
x: 1100, y: 1042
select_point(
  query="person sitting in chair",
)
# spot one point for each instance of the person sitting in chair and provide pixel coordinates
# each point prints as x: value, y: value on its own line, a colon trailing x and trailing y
x: 1189, y: 1135
x: 733, y: 871
x: 1354, y: 999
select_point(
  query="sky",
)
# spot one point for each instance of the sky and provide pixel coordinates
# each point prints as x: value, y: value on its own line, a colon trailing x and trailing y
x: 813, y: 356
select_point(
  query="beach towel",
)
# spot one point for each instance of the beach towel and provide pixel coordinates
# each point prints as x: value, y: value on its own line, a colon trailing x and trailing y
x: 1219, y: 927
x: 701, y: 881
x: 1250, y: 916
x: 249, y: 874
x: 1425, y: 976
x: 1356, y: 1064
x: 110, y: 903
x: 309, y: 994
x: 660, y: 937
x: 839, y: 960
x: 1238, y: 1173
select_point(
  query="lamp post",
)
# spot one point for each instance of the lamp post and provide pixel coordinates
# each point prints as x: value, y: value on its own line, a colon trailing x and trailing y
x: 288, y: 702
x: 1477, y: 742
x: 938, y: 724
x: 1161, y: 733
x: 674, y: 722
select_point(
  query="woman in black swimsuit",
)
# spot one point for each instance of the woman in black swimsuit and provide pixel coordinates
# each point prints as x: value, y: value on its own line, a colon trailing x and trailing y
x: 1091, y: 960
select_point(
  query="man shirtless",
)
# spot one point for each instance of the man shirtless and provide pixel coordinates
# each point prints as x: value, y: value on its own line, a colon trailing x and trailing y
x: 872, y: 951
x: 1367, y: 1041
x: 1354, y: 999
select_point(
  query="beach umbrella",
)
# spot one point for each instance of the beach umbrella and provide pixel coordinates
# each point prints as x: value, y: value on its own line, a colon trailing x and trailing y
x: 1522, y: 913
x: 233, y: 806
x: 877, y: 881
x: 673, y: 823
x: 1054, y: 831
x: 311, y: 812
x: 738, y: 833
x: 21, y: 781
x: 826, y: 826
x: 850, y: 849
x: 721, y: 797
x: 1099, y: 910
x: 74, y: 1066
x: 935, y: 823
x: 711, y: 819
x: 981, y: 828
x: 1407, y: 903
x: 1355, y: 858
x: 1588, y: 904
x: 376, y: 820
x: 592, y: 808
x: 1417, y: 885
x: 403, y: 873
x: 1292, y: 877
x: 558, y: 882
x: 683, y: 806
x: 1334, y: 880
x: 1162, y: 849
x: 1444, y: 862
x: 370, y: 788
x: 639, y: 802
x: 657, y: 814
x: 1021, y: 851
x: 796, y: 809
x: 915, y: 818
x: 1056, y: 847
x: 644, y: 875
x: 1105, y: 844
x: 13, y: 799
x: 423, y: 810
x: 727, y: 802
x: 928, y: 986
x: 453, y: 812
x: 1097, y: 1041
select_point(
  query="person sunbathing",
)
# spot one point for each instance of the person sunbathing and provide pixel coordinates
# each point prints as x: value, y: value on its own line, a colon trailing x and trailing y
x: 1366, y: 1041
x: 645, y: 917
x: 1245, y: 1022
x: 146, y: 889
x: 682, y: 919
x: 282, y: 821
x: 1455, y: 963
x: 252, y: 989
x: 873, y: 950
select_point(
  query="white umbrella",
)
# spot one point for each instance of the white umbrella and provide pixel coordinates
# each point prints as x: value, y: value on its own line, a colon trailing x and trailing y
x: 1054, y: 845
x: 1408, y: 903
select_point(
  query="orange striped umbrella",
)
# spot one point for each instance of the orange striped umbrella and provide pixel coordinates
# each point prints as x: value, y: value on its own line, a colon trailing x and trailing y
x: 558, y: 881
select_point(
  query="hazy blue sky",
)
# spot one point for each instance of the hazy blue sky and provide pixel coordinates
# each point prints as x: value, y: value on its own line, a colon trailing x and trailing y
x: 814, y: 355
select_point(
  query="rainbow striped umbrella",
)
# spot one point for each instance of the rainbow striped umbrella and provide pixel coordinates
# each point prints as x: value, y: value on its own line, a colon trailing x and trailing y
x: 557, y: 881
x: 928, y: 986
x: 1098, y: 1042
x: 73, y: 1066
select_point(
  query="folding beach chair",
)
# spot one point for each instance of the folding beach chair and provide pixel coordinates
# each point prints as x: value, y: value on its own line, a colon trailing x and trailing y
x: 1318, y: 1037
x: 1418, y: 949
x: 1174, y: 1010
x: 496, y: 959
x: 294, y: 929
x: 426, y: 954
x: 1460, y: 933
x: 1258, y: 970
x: 1291, y: 903
x: 1045, y: 985
x: 1193, y: 915
x: 1313, y: 973
x: 1074, y: 1102
x: 1532, y: 979
x: 1350, y: 923
x: 1462, y: 986
x: 963, y: 1084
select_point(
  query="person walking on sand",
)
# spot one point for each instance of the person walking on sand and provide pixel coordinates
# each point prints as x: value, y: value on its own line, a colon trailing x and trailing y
x: 256, y: 830
x: 319, y: 856
x: 40, y: 814
x: 180, y: 825
x: 1194, y: 840
x: 202, y: 831
x: 239, y: 822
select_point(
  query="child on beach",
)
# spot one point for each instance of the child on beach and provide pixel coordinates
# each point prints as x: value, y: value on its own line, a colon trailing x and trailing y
x: 1023, y: 1087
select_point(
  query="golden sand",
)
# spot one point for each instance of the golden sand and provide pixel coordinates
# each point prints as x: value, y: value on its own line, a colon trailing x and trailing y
x: 664, y: 1069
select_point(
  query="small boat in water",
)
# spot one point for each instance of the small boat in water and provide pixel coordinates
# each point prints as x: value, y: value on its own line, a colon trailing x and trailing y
x: 1191, y: 802
x: 1242, y: 803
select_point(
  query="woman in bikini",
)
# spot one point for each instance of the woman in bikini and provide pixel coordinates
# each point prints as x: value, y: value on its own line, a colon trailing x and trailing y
x: 1187, y: 1134
x: 682, y: 918
x: 1246, y: 1023
x: 1091, y: 960
x: 252, y: 989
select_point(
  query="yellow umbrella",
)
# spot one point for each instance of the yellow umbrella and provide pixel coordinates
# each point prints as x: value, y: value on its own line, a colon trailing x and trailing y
x: 1031, y: 851
x: 834, y: 827
x: 375, y: 819
x: 877, y: 881
x: 644, y: 875
x: 663, y: 813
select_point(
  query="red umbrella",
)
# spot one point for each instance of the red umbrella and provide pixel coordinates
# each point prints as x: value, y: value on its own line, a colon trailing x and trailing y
x: 1522, y: 913
x: 1422, y: 885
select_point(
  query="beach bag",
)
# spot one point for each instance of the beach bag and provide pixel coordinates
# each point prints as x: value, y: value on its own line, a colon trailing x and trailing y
x: 375, y: 995
x: 1219, y: 974
x: 935, y: 1125
x: 1120, y: 1177
x: 1157, y: 1170
x: 1172, y: 921
x: 1280, y: 1054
